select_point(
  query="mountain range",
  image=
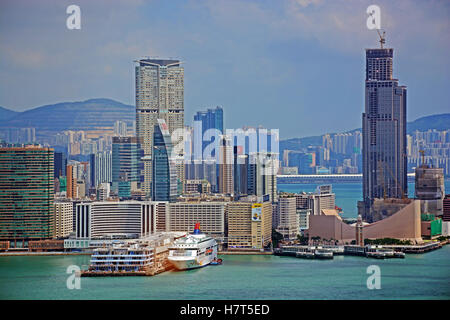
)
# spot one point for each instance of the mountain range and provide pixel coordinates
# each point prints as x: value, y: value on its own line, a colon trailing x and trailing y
x: 99, y: 113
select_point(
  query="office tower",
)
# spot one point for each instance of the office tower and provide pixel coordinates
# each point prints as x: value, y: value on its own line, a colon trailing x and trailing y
x: 59, y: 164
x: 206, y: 120
x: 63, y: 221
x: 226, y: 180
x: 262, y: 174
x: 384, y: 131
x: 126, y: 165
x: 120, y: 128
x: 240, y: 174
x: 430, y: 189
x: 101, y: 168
x: 72, y: 187
x: 164, y: 177
x: 159, y: 95
x: 288, y: 224
x: 26, y: 196
x: 249, y: 225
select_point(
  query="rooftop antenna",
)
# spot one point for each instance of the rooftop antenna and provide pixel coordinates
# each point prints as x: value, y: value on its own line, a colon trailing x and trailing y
x: 382, y: 37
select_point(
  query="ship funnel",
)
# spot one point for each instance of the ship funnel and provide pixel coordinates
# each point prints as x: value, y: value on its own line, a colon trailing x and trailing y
x: 197, y: 228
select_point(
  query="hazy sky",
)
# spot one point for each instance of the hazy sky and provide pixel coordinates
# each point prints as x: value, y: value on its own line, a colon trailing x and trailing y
x: 296, y: 65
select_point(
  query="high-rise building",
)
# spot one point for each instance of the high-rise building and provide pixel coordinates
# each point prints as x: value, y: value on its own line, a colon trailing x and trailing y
x: 159, y: 95
x: 210, y: 119
x: 430, y: 189
x: 101, y: 168
x: 26, y: 196
x: 384, y: 131
x: 164, y: 171
x: 120, y: 128
x: 59, y: 164
x: 288, y: 224
x: 249, y: 225
x: 226, y: 180
x: 126, y: 165
x: 63, y: 221
x: 262, y: 174
x: 72, y: 187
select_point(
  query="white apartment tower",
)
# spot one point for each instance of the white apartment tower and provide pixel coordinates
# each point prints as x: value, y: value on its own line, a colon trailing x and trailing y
x: 159, y: 95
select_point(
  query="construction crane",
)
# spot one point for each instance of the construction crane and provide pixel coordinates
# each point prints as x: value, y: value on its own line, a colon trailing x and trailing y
x: 382, y: 37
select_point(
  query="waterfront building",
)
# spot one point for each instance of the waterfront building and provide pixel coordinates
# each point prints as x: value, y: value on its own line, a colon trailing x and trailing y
x: 322, y: 198
x: 126, y: 165
x: 446, y: 208
x: 430, y: 189
x: 404, y: 224
x: 26, y: 196
x: 303, y: 219
x: 288, y: 225
x: 384, y: 131
x: 164, y: 170
x: 211, y: 215
x: 159, y: 95
x: 63, y: 221
x: 131, y: 218
x: 249, y: 225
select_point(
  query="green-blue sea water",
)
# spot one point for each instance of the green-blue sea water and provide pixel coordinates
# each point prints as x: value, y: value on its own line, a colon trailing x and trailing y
x: 424, y: 276
x: 249, y: 277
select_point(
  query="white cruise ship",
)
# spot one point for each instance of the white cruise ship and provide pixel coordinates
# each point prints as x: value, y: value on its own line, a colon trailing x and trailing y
x: 193, y: 251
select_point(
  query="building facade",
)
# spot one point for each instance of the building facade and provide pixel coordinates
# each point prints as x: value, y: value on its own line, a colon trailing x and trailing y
x: 26, y: 194
x: 384, y: 131
x: 159, y: 95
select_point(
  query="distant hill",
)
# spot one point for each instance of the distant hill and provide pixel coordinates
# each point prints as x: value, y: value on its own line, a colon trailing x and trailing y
x: 6, y: 114
x: 83, y: 115
x: 437, y: 121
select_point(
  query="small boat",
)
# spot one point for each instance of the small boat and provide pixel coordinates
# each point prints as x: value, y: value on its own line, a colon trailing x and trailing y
x: 216, y: 262
x: 398, y: 254
x: 323, y: 254
x: 305, y: 255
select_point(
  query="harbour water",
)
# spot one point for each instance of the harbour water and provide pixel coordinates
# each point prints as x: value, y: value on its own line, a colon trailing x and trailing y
x: 247, y: 277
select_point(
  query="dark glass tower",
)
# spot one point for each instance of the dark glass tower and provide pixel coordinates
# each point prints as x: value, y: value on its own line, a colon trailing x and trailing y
x: 26, y: 194
x: 210, y: 119
x: 164, y: 176
x: 384, y: 131
x: 126, y: 165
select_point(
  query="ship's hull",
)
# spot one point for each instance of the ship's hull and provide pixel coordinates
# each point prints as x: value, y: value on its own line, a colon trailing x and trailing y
x: 190, y: 263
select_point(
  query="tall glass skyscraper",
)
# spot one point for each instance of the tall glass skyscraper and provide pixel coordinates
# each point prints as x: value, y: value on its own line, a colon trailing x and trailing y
x: 209, y: 119
x: 26, y: 194
x: 159, y: 95
x: 384, y: 130
x: 126, y: 165
x: 164, y: 167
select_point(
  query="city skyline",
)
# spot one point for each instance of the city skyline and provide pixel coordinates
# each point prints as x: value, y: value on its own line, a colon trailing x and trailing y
x: 300, y: 40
